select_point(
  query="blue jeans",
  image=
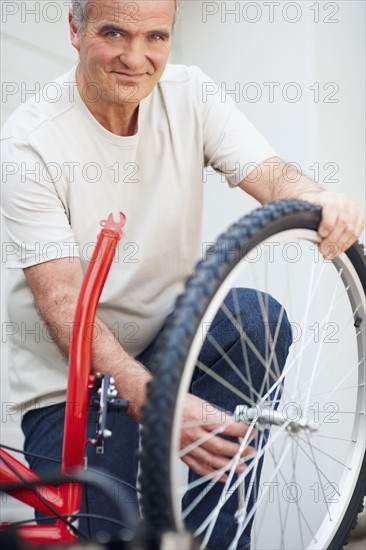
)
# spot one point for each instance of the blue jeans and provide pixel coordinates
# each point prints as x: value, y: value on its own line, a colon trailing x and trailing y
x: 43, y: 428
x: 224, y: 331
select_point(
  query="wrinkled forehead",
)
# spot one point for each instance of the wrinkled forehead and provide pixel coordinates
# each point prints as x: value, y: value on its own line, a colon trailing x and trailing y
x: 133, y: 12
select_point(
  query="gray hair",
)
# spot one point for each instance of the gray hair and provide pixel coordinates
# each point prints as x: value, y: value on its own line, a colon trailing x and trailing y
x: 80, y: 7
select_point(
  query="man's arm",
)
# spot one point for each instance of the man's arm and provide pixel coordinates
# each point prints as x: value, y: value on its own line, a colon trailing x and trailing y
x: 342, y: 220
x: 55, y: 286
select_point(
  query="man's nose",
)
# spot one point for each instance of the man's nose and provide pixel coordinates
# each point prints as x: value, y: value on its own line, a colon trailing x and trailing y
x: 133, y: 55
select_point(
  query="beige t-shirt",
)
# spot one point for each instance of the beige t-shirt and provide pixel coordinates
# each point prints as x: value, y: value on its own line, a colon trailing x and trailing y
x: 63, y: 173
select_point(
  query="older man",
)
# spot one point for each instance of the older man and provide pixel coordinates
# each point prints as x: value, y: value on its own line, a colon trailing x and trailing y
x: 127, y: 133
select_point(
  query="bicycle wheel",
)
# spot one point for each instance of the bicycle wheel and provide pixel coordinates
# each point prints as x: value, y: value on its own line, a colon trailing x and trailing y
x: 309, y: 416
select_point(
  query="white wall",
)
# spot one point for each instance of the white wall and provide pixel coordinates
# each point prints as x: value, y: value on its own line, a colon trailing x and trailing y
x: 34, y: 48
x: 316, y: 51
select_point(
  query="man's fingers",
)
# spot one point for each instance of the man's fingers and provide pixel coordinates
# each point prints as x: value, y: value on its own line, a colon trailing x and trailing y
x: 204, y: 447
x: 342, y: 236
x: 205, y: 463
x: 360, y: 224
x: 341, y: 225
x: 329, y: 218
x: 216, y: 462
x: 222, y: 447
x: 238, y: 429
x: 203, y: 470
x: 214, y: 444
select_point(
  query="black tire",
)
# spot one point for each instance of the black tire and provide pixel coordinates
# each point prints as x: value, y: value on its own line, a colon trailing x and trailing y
x: 159, y: 500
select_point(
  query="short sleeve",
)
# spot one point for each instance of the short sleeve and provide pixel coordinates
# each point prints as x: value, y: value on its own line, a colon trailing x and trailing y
x: 232, y: 145
x: 36, y: 228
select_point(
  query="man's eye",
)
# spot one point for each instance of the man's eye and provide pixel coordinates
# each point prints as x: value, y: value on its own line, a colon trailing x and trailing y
x: 113, y: 34
x: 155, y: 37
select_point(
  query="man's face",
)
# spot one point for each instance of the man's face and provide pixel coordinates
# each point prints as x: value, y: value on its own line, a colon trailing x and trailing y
x: 124, y: 47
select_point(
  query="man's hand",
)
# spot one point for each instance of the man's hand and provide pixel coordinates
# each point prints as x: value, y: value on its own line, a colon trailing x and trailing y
x: 342, y: 221
x: 201, y: 422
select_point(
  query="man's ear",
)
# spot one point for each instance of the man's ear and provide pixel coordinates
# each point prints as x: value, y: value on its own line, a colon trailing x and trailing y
x: 74, y: 35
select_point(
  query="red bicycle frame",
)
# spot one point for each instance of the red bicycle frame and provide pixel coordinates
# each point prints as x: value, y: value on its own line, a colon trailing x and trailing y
x: 66, y: 499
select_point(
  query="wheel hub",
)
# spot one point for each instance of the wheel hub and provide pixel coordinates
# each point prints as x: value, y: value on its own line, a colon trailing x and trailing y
x: 264, y: 416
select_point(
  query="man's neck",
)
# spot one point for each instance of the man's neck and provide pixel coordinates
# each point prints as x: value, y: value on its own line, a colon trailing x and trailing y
x: 117, y: 118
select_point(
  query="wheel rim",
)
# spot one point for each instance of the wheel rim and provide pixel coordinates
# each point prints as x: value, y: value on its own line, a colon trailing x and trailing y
x: 299, y: 472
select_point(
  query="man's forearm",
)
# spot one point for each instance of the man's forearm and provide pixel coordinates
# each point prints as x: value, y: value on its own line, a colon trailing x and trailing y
x: 56, y: 304
x: 275, y: 180
x: 130, y: 376
x: 108, y: 357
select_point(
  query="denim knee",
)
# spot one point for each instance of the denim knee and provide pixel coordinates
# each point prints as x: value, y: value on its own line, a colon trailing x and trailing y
x: 261, y: 315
